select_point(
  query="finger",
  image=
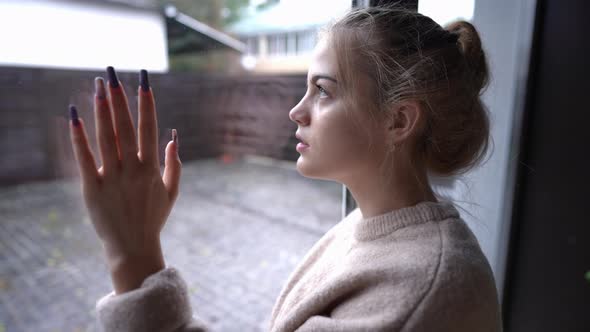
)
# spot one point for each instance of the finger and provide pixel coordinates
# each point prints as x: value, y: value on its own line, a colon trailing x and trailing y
x: 147, y: 123
x: 82, y: 152
x: 105, y: 134
x: 124, y: 129
x: 173, y: 167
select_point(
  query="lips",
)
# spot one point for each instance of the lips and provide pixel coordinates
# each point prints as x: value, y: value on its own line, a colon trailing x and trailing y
x: 301, y: 139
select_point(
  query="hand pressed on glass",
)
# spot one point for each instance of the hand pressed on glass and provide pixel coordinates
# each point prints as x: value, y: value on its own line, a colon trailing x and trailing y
x: 127, y: 198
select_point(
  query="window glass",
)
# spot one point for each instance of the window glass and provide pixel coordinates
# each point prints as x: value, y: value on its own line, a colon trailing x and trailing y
x: 444, y: 12
x: 225, y: 74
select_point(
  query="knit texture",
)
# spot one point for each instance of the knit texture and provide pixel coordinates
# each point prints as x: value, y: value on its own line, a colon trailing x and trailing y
x: 160, y: 304
x: 418, y: 268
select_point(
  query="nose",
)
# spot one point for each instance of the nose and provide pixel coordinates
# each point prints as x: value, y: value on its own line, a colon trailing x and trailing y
x: 300, y: 114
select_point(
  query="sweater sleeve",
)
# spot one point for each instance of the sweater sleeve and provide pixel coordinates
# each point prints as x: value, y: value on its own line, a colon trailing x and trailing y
x: 161, y: 304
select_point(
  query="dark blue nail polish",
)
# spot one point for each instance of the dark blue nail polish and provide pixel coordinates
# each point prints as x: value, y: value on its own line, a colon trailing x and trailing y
x: 113, y: 80
x: 74, y: 115
x: 99, y: 88
x: 143, y: 80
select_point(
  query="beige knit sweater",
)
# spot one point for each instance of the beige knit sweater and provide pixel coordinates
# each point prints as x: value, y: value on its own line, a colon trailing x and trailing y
x: 418, y: 268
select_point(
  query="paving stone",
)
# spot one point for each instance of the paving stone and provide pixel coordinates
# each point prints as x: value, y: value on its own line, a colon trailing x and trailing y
x: 236, y: 233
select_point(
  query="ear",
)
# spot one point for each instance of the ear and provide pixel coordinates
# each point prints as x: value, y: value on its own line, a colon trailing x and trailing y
x: 404, y: 121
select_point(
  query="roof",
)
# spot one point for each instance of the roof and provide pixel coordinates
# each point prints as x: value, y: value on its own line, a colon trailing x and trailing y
x: 187, y: 34
x: 146, y: 4
x: 287, y: 16
x: 138, y: 4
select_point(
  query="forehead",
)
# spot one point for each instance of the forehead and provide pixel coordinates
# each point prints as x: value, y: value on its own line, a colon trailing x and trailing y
x: 323, y: 60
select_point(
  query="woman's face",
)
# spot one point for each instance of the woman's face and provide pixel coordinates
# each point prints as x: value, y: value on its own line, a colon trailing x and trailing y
x: 336, y: 135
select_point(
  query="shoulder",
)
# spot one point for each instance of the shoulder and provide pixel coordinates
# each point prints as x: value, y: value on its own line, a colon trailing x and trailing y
x: 460, y: 294
x: 446, y: 245
x: 393, y: 272
x: 437, y: 274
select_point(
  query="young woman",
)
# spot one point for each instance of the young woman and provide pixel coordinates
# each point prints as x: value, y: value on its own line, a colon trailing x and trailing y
x: 391, y: 96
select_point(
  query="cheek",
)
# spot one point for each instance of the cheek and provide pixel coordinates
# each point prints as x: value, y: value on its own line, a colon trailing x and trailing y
x: 339, y: 147
x: 342, y: 142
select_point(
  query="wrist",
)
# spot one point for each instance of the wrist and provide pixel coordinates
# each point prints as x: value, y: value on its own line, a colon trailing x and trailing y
x: 129, y: 270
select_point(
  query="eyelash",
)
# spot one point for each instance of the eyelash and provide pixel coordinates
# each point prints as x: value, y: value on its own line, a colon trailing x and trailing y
x: 322, y: 90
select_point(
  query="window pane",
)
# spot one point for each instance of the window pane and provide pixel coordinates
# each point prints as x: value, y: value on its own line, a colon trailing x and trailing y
x: 225, y: 74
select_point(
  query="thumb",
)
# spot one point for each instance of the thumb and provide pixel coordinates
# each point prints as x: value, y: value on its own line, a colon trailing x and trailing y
x: 172, y: 168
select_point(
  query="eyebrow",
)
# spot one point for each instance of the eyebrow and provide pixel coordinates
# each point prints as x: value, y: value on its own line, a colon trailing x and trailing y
x: 314, y: 78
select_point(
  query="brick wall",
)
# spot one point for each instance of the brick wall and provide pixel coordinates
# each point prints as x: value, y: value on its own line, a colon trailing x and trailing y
x: 213, y: 115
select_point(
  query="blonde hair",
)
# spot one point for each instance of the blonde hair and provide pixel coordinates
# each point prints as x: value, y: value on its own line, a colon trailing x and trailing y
x: 408, y: 56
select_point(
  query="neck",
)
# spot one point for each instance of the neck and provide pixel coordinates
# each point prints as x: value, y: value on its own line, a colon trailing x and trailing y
x: 376, y: 195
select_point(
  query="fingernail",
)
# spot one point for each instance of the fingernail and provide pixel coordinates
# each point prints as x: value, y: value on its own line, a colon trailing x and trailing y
x: 99, y: 87
x: 143, y: 80
x: 74, y: 115
x: 175, y: 136
x: 113, y: 80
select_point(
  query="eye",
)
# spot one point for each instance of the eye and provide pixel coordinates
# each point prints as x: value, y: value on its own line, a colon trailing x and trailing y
x: 323, y: 92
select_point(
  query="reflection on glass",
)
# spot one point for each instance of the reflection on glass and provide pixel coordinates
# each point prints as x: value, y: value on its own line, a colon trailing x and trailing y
x: 225, y: 74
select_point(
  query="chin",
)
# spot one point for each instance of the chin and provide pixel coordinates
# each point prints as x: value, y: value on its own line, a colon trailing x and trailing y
x: 309, y: 170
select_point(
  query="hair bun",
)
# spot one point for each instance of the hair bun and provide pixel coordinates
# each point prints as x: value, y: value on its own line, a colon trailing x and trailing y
x: 452, y: 38
x: 470, y: 47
